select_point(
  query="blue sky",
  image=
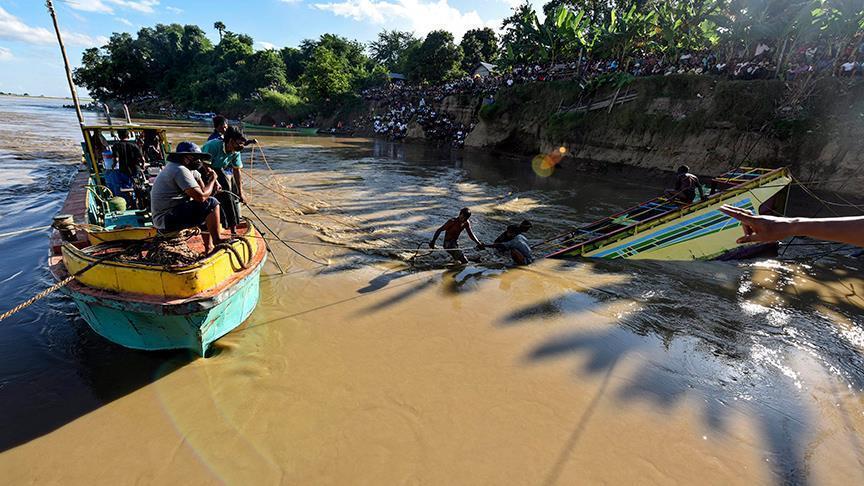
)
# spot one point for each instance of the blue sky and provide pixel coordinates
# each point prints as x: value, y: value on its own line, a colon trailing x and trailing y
x: 30, y: 60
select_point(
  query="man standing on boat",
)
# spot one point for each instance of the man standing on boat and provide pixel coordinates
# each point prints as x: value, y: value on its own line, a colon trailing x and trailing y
x: 129, y: 161
x: 220, y: 125
x: 453, y: 228
x: 180, y: 198
x: 686, y: 185
x: 227, y: 163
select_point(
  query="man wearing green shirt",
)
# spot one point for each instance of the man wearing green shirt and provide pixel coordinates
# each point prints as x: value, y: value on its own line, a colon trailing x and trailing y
x: 227, y: 164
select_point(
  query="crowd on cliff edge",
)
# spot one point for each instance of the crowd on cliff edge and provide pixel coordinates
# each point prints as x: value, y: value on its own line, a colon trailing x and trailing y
x: 406, y: 103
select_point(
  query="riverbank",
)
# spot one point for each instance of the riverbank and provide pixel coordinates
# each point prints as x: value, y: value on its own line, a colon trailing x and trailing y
x: 659, y: 123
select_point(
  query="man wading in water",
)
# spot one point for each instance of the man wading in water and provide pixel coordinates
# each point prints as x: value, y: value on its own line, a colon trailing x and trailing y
x: 453, y: 228
x: 513, y: 244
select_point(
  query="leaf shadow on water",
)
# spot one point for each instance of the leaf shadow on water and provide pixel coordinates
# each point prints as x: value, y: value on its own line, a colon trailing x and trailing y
x: 729, y: 354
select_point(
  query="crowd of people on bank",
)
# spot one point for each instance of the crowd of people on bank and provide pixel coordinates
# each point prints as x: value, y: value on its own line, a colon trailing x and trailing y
x: 404, y: 103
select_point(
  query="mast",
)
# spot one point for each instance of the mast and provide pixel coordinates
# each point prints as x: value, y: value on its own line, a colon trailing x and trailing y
x: 50, y: 5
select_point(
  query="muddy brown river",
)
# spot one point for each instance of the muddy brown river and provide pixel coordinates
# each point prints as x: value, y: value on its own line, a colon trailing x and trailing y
x: 370, y: 363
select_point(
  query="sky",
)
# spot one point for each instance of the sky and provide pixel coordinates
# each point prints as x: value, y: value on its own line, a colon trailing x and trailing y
x: 30, y: 59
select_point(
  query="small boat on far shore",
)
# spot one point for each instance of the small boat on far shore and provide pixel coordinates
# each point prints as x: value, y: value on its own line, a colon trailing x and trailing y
x: 662, y: 229
x: 306, y: 131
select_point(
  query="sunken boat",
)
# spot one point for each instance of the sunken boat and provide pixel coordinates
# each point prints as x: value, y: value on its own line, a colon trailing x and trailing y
x: 663, y: 229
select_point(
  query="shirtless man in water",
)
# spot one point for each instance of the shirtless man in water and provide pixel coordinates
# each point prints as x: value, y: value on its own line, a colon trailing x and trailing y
x: 686, y: 185
x: 453, y: 228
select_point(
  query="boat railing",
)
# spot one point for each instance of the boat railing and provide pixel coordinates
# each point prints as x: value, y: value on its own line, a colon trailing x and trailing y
x: 648, y: 223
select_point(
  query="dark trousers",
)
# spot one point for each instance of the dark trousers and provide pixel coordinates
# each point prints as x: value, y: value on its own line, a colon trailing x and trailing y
x: 229, y: 204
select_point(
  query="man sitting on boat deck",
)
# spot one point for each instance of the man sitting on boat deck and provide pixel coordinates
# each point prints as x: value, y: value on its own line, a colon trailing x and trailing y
x: 686, y: 185
x: 180, y: 198
x: 512, y: 243
x: 220, y: 125
x: 453, y: 228
x: 226, y: 161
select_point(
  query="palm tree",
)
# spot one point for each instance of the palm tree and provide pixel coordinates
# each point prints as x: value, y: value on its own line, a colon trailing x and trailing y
x: 219, y: 26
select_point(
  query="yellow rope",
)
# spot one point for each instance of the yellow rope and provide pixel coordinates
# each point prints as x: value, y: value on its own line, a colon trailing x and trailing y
x: 37, y: 297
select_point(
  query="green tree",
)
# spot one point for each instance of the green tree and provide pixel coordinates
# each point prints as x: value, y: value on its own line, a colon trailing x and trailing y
x: 327, y: 75
x: 478, y: 45
x: 293, y: 60
x: 521, y: 39
x: 220, y: 27
x: 436, y: 59
x: 390, y: 48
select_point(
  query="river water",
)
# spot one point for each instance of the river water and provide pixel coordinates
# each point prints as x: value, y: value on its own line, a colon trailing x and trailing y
x: 379, y: 365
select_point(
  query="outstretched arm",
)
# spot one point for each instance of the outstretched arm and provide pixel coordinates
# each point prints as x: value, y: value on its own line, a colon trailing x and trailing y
x: 771, y: 228
x: 471, y: 234
x: 438, y: 233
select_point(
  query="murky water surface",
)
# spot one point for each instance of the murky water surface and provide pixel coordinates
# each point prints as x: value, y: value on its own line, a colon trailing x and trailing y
x: 386, y: 367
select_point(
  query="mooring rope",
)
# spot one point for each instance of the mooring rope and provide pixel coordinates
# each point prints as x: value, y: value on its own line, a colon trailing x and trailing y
x: 25, y: 230
x: 50, y: 290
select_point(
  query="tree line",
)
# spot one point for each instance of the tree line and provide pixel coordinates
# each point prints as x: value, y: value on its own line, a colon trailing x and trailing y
x: 179, y: 66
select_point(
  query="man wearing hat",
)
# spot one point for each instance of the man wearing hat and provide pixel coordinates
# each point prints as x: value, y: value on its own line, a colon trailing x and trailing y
x: 180, y: 199
x: 226, y: 162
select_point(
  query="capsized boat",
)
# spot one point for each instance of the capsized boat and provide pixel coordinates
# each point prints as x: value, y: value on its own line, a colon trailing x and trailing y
x: 144, y: 304
x: 662, y: 229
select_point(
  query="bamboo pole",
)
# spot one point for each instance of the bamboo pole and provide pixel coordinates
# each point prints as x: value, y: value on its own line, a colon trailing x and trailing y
x: 50, y: 5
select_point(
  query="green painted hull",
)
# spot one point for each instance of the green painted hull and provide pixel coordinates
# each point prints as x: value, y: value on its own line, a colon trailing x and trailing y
x: 194, y: 325
x: 295, y: 131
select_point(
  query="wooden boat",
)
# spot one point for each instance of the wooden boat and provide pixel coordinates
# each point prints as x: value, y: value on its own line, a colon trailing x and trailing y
x: 305, y: 131
x: 662, y: 229
x: 142, y: 305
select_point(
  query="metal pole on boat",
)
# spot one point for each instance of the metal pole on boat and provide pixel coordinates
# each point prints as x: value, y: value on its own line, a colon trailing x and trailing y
x: 50, y: 5
x: 128, y: 117
x: 107, y: 114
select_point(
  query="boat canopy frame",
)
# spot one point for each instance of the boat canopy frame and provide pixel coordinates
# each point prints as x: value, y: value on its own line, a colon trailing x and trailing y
x: 90, y: 132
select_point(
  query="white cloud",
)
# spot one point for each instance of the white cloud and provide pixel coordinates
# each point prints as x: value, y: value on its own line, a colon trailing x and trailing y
x: 420, y: 16
x: 174, y: 10
x: 14, y: 29
x: 107, y: 6
x: 5, y: 54
x: 266, y: 45
x: 123, y: 21
x: 291, y: 2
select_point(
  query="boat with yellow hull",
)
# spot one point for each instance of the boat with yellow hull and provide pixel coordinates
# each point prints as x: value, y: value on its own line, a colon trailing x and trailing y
x: 661, y: 229
x: 136, y: 303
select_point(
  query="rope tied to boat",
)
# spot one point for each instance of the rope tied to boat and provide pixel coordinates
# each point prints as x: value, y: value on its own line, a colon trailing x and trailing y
x: 57, y: 286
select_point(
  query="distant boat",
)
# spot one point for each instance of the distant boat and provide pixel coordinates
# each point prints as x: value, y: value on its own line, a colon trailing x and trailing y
x: 143, y: 305
x: 662, y: 229
x: 306, y: 131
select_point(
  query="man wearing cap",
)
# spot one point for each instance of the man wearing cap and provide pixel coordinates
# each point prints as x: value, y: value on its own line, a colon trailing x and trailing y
x: 226, y: 161
x: 181, y: 199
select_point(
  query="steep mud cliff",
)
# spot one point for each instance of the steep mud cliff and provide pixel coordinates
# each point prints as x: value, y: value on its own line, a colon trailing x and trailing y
x: 816, y: 128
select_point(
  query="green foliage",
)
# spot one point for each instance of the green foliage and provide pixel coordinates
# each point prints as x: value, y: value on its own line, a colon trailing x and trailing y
x: 390, y: 48
x: 327, y: 75
x: 289, y: 103
x: 293, y: 60
x: 436, y: 59
x: 478, y: 45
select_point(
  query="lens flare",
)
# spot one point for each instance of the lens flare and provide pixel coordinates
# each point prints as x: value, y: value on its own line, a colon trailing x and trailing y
x: 543, y: 165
